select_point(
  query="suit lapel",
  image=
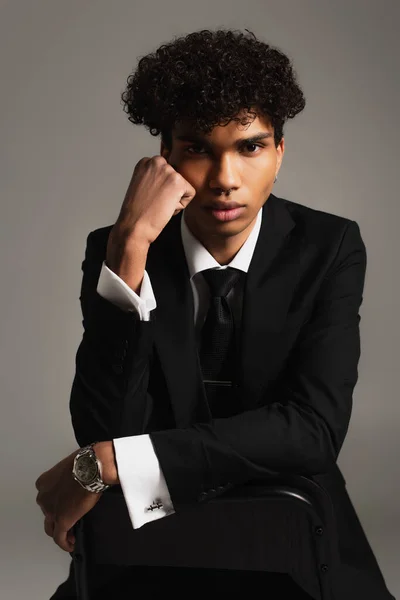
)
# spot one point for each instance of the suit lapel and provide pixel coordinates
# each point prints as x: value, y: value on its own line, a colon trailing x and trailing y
x: 271, y: 279
x: 272, y: 276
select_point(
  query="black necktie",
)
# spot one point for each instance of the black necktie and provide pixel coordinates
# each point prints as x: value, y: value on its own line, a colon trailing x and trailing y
x: 217, y: 345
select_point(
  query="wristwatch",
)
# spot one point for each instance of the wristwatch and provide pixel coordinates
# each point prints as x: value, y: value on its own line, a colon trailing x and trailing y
x: 87, y: 470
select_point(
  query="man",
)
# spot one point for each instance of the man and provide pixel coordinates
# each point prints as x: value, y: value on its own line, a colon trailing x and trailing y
x: 221, y: 325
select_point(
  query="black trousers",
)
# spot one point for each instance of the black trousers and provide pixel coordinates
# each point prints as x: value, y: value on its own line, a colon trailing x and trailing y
x: 120, y: 583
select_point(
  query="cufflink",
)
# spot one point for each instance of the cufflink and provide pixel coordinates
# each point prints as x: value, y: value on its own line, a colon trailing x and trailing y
x: 156, y: 504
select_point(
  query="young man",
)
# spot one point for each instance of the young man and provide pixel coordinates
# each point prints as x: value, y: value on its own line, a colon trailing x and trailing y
x: 221, y: 323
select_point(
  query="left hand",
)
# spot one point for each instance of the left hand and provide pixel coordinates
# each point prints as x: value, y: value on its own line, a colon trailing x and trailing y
x: 63, y: 502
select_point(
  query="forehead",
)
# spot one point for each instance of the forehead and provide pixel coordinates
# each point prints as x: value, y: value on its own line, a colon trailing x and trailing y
x: 232, y: 131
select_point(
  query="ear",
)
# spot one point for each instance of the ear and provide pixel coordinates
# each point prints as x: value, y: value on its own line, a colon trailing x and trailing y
x: 280, y: 150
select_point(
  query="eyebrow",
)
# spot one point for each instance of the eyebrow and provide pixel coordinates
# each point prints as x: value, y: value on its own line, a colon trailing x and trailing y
x: 193, y: 137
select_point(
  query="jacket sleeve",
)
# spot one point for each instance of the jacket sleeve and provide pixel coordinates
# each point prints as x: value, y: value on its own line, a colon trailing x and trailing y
x: 139, y: 472
x: 301, y: 427
x: 111, y: 364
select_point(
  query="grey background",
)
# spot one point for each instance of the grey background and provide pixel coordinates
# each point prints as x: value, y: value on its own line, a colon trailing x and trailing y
x: 67, y: 155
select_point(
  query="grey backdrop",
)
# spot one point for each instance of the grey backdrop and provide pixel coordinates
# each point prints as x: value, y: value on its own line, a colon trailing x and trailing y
x: 68, y: 152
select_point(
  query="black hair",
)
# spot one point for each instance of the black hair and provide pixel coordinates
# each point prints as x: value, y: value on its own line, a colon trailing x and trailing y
x: 207, y: 78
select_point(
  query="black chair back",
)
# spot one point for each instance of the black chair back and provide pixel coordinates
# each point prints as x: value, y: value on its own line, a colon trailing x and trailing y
x: 283, y: 524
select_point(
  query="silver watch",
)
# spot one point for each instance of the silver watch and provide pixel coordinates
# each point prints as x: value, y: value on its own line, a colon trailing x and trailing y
x: 87, y: 470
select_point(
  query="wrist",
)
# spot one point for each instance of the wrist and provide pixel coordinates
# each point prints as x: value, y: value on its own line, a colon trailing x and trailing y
x: 105, y: 453
x: 128, y: 261
x: 126, y: 247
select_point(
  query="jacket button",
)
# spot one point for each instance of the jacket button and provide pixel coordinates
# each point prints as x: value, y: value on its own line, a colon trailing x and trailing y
x: 117, y: 369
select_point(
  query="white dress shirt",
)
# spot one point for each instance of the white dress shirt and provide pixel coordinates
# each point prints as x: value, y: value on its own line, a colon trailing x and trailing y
x: 140, y: 475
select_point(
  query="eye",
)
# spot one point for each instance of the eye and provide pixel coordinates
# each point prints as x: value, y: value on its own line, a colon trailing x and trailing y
x: 192, y: 149
x: 256, y: 145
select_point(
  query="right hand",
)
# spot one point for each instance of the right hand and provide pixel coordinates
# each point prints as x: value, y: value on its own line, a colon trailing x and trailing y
x: 156, y: 193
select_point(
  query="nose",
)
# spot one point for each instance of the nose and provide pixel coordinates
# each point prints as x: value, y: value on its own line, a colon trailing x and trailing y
x: 225, y: 180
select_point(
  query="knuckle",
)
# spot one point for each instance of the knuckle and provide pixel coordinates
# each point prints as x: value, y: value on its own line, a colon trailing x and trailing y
x: 59, y: 541
x: 49, y: 525
x: 59, y: 522
x: 174, y: 175
x: 141, y: 164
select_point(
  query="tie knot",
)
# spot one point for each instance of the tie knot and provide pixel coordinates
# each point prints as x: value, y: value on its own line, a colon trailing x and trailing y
x: 221, y: 281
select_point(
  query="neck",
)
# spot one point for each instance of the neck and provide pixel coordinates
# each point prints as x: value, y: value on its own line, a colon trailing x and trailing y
x: 223, y: 249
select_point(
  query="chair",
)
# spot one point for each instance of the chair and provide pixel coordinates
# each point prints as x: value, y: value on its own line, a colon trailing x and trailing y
x: 282, y: 524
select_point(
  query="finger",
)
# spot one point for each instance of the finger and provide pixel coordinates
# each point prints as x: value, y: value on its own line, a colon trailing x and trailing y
x: 49, y: 526
x: 71, y: 537
x: 61, y: 539
x: 42, y: 508
x: 41, y: 502
x: 43, y: 499
x: 40, y: 480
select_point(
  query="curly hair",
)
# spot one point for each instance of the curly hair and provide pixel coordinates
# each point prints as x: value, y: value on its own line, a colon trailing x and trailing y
x: 207, y: 78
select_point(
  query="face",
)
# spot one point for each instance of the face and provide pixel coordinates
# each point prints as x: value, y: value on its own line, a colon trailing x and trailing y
x: 228, y: 157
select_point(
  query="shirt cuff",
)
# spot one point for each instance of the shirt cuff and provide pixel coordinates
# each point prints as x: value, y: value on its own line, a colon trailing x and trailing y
x: 113, y: 288
x: 142, y: 481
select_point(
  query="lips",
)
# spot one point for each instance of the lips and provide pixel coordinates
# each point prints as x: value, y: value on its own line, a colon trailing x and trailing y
x: 227, y: 215
x: 223, y: 205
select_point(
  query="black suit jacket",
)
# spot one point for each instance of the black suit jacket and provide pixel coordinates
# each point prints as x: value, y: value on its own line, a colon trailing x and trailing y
x: 299, y: 352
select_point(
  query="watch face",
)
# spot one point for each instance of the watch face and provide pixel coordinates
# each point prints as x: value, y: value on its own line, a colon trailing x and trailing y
x: 86, y: 469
